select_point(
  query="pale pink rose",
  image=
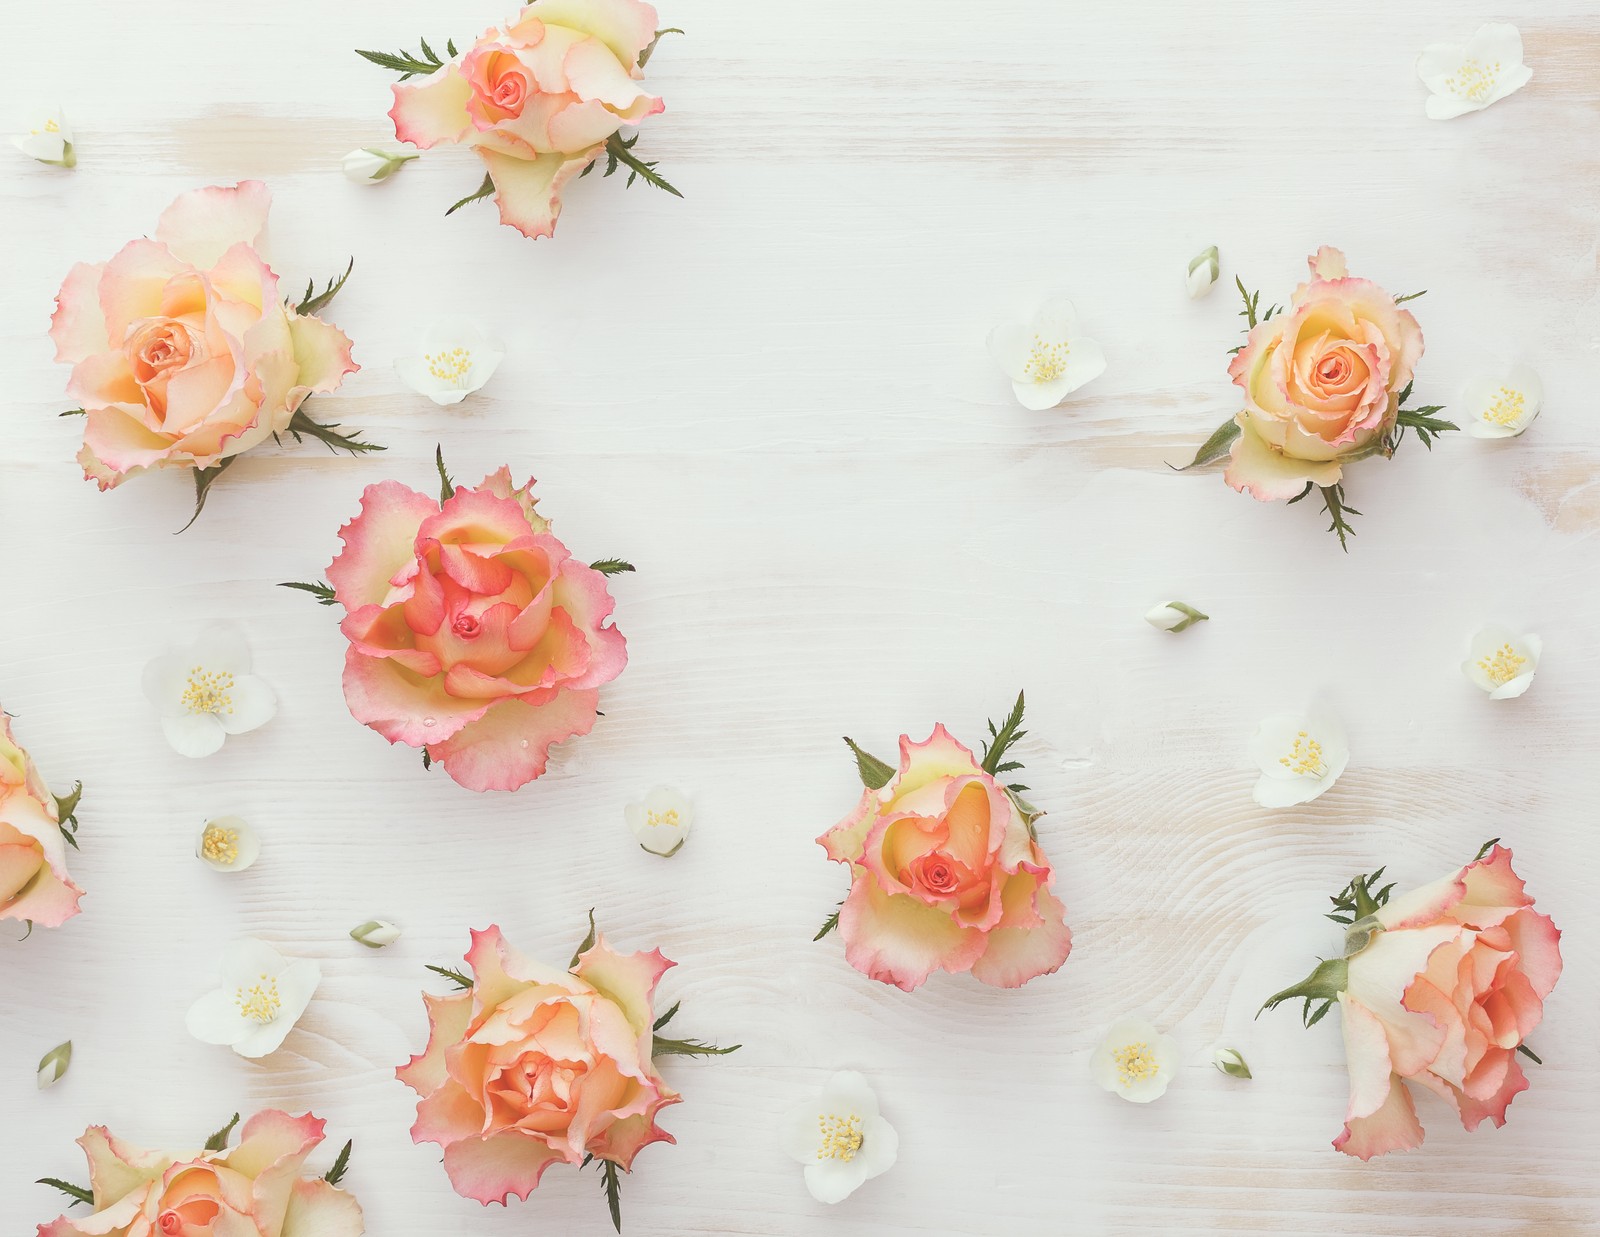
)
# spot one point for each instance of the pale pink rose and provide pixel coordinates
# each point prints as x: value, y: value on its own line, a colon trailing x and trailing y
x: 536, y: 1066
x: 258, y: 1189
x: 183, y: 353
x: 537, y: 100
x: 473, y: 632
x: 34, y: 884
x: 945, y: 875
x: 1321, y: 381
x: 1443, y: 996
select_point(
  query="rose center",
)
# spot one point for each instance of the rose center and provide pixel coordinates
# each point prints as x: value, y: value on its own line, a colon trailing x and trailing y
x: 509, y: 92
x: 208, y: 691
x: 1305, y: 757
x: 466, y: 626
x: 839, y: 1137
x: 1334, y: 368
x: 1135, y: 1063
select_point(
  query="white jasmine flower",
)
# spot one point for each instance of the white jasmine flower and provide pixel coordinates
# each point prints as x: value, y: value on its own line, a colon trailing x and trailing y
x: 375, y: 933
x: 49, y: 141
x: 1467, y: 77
x: 53, y: 1065
x: 1174, y: 616
x: 840, y: 1138
x: 1501, y: 663
x: 1046, y: 359
x: 1300, y: 757
x: 369, y: 165
x: 1135, y: 1060
x: 661, y: 821
x: 1502, y: 405
x: 1231, y: 1062
x: 206, y: 692
x: 456, y: 358
x: 262, y: 996
x: 228, y: 844
x: 1204, y: 268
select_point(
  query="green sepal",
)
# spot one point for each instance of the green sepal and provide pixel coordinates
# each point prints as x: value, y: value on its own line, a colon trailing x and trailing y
x: 1321, y: 987
x: 875, y: 774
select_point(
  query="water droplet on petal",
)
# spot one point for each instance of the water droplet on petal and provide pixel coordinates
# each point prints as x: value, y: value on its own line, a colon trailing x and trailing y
x: 524, y: 743
x: 427, y: 721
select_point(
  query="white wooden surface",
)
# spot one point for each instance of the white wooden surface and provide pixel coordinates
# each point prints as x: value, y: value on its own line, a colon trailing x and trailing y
x: 774, y: 397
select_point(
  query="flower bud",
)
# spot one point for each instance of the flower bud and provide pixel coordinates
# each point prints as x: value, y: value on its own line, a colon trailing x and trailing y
x: 661, y: 821
x: 1203, y: 270
x: 53, y: 1065
x: 368, y: 166
x: 50, y: 141
x: 228, y: 844
x: 1231, y: 1063
x: 375, y: 933
x: 1174, y: 616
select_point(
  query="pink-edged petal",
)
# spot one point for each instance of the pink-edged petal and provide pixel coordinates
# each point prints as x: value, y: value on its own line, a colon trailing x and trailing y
x: 627, y: 27
x: 117, y: 1168
x: 378, y: 543
x: 323, y: 353
x: 477, y: 518
x: 1493, y: 1106
x: 1391, y: 1127
x: 940, y: 756
x: 401, y: 705
x: 77, y: 326
x: 1490, y: 883
x: 433, y: 110
x: 317, y: 1209
x: 133, y: 282
x: 844, y: 841
x: 446, y: 1115
x: 448, y: 1019
x: 121, y: 443
x: 272, y: 1151
x: 899, y: 940
x: 594, y: 73
x: 49, y: 899
x: 1328, y: 263
x: 1537, y: 941
x: 629, y: 1136
x: 499, y: 972
x: 1032, y: 938
x: 1379, y: 978
x: 528, y: 191
x: 203, y: 224
x: 584, y: 594
x: 1267, y: 474
x: 491, y: 1170
x: 628, y: 979
x: 509, y: 745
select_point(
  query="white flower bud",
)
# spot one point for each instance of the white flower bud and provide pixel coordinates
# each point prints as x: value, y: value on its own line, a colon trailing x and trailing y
x: 375, y: 933
x: 49, y: 141
x: 1174, y: 616
x: 228, y: 844
x: 661, y: 821
x: 1231, y: 1063
x: 53, y: 1065
x: 368, y: 165
x: 1203, y: 270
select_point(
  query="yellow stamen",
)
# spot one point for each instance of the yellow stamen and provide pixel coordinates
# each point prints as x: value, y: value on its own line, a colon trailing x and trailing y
x: 450, y: 364
x: 209, y: 691
x: 220, y: 844
x: 840, y: 1137
x: 1502, y: 665
x: 1507, y: 408
x: 669, y: 817
x: 1474, y: 80
x: 1135, y: 1063
x: 260, y: 1002
x: 1305, y: 757
x: 1046, y: 362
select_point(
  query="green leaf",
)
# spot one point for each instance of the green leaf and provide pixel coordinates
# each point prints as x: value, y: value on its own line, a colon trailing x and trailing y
x: 1323, y: 984
x: 662, y: 1047
x: 76, y: 1193
x: 483, y: 191
x: 613, y: 1188
x: 1422, y: 420
x: 666, y: 1017
x: 427, y: 760
x: 54, y: 1064
x: 612, y: 566
x: 588, y: 941
x: 1214, y: 448
x: 300, y: 425
x: 1409, y: 296
x: 405, y: 64
x: 644, y: 56
x: 314, y: 304
x: 204, y: 478
x: 1530, y: 1054
x: 74, y: 412
x: 322, y: 592
x: 1336, y: 509
x: 619, y: 150
x: 67, y: 814
x: 455, y: 977
x: 447, y: 485
x: 1009, y: 732
x: 1483, y: 851
x: 1251, y: 301
x: 828, y: 925
x: 336, y: 1174
x: 219, y: 1140
x: 875, y: 774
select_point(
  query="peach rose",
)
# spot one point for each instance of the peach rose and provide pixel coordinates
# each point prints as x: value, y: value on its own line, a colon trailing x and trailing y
x: 258, y: 1189
x: 1322, y: 382
x: 945, y: 875
x: 183, y: 354
x: 535, y: 1066
x: 473, y: 632
x: 537, y: 100
x: 34, y: 884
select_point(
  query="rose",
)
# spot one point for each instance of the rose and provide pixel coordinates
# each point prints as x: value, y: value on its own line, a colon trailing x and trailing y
x: 34, y: 884
x: 537, y: 100
x: 183, y: 354
x: 1322, y: 382
x: 255, y: 1190
x: 945, y: 874
x: 473, y: 631
x: 1443, y: 994
x: 535, y: 1066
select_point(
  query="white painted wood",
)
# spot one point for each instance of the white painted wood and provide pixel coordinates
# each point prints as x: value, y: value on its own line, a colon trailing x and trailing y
x: 774, y: 397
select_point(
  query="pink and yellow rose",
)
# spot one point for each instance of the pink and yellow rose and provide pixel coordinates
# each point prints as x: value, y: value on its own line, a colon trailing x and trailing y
x: 474, y: 634
x: 1443, y: 994
x: 536, y: 1066
x: 182, y: 350
x: 34, y: 884
x: 258, y: 1189
x: 945, y: 874
x: 1322, y: 382
x: 537, y: 100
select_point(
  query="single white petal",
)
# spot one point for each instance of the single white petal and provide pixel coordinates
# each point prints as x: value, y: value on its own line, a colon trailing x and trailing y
x: 1513, y: 689
x: 801, y: 1135
x: 1085, y: 362
x: 880, y: 1147
x: 1496, y: 42
x: 833, y: 1181
x: 1512, y: 81
x: 194, y: 734
x: 247, y: 959
x: 1448, y: 107
x: 1041, y: 396
x: 48, y: 148
x: 1439, y: 62
x: 215, y: 1019
x: 222, y: 649
x: 253, y: 704
x: 165, y: 679
x: 1056, y: 321
x: 1276, y: 792
x: 263, y: 1038
x: 1011, y: 345
x: 847, y: 1092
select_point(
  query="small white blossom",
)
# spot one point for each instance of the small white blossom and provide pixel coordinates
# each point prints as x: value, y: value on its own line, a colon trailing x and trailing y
x: 205, y: 693
x: 49, y: 140
x: 375, y: 933
x: 368, y: 165
x: 1046, y: 359
x: 1501, y: 663
x: 228, y: 844
x: 841, y: 1138
x: 1467, y: 77
x: 661, y: 821
x: 454, y: 360
x: 1204, y: 268
x: 1503, y: 404
x: 1174, y: 616
x: 1300, y: 757
x: 53, y: 1065
x: 1135, y: 1060
x: 262, y: 996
